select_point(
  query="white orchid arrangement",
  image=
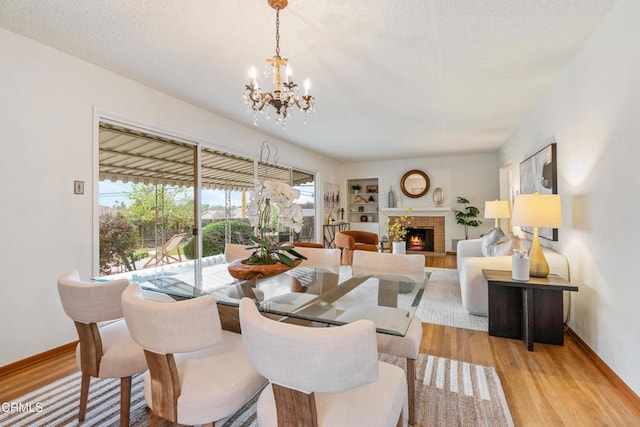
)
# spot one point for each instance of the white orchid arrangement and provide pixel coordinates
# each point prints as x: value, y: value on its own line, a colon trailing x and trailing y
x: 263, y: 198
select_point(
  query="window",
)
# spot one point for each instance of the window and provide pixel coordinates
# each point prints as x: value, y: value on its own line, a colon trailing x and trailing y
x: 155, y: 226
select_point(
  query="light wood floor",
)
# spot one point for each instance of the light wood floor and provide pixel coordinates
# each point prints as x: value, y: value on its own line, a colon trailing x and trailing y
x: 552, y: 385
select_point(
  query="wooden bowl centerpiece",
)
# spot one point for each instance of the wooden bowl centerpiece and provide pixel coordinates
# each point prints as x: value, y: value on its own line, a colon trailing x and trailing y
x: 240, y: 270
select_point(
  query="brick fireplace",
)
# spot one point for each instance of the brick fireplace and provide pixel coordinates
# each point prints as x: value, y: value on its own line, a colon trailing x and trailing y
x: 423, y: 226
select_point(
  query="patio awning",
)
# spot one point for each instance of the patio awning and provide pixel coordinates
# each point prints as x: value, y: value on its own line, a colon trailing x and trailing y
x: 130, y: 156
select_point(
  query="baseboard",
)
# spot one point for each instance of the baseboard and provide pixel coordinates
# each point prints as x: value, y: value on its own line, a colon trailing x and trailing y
x: 609, y: 373
x: 37, y: 358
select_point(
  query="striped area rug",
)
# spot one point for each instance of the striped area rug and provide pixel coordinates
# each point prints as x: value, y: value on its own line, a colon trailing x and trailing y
x: 449, y: 392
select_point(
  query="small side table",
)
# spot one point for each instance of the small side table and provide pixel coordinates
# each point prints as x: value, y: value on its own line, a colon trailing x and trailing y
x: 531, y: 310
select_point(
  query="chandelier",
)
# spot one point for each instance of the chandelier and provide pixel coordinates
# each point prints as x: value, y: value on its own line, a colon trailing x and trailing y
x: 285, y: 95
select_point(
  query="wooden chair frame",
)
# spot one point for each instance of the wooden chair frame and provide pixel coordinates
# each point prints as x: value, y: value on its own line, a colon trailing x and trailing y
x: 90, y: 356
x: 295, y: 408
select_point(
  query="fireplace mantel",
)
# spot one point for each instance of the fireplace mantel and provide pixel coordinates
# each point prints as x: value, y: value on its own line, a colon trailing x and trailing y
x: 419, y: 210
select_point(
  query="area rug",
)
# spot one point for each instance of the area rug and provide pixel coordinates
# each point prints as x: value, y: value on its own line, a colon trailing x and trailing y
x: 441, y: 302
x: 449, y: 392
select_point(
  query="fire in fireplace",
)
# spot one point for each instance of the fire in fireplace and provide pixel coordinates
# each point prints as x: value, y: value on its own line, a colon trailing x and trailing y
x: 420, y: 239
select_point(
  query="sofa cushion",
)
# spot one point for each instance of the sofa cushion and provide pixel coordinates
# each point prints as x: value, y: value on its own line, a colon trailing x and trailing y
x: 492, y: 236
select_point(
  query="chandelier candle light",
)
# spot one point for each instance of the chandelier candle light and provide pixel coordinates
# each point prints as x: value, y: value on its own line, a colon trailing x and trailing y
x: 285, y: 95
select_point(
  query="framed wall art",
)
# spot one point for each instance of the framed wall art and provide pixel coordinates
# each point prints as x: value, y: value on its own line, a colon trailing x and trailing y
x: 539, y: 173
x: 331, y: 197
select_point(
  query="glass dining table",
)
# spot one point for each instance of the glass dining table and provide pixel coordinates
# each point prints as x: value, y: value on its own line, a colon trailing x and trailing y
x: 309, y: 294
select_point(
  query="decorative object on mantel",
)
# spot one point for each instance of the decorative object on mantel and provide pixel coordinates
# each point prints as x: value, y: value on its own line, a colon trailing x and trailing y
x: 438, y: 196
x: 415, y: 183
x: 467, y: 216
x: 285, y: 95
x: 392, y: 198
x: 398, y: 232
x: 537, y: 210
x: 267, y: 195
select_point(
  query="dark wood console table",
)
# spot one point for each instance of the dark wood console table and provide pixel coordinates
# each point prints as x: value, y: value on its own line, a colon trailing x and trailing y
x: 531, y: 310
x: 329, y: 233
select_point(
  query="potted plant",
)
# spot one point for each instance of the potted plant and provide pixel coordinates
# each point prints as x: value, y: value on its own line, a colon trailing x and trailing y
x: 467, y: 216
x: 356, y: 188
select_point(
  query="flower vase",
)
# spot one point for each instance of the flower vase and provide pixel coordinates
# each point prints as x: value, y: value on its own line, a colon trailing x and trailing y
x: 399, y: 247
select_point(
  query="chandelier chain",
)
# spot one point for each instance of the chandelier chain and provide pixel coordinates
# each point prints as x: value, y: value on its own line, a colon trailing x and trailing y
x: 278, y: 32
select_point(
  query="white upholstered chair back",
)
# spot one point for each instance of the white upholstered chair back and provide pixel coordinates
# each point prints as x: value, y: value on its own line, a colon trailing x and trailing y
x: 90, y: 302
x: 177, y: 327
x: 320, y: 257
x: 326, y: 360
x: 391, y: 265
x: 234, y: 251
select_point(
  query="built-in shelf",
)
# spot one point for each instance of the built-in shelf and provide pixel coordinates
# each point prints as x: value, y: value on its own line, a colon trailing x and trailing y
x: 362, y: 205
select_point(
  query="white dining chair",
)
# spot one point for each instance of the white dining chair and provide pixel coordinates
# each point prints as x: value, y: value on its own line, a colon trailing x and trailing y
x: 198, y: 373
x: 327, y: 264
x: 106, y: 349
x: 412, y: 268
x: 321, y: 376
x: 235, y: 251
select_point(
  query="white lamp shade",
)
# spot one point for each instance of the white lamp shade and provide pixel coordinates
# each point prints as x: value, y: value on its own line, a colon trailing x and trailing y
x: 497, y: 209
x: 537, y: 210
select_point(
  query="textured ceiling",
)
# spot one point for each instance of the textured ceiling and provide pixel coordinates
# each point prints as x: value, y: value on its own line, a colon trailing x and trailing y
x: 392, y: 79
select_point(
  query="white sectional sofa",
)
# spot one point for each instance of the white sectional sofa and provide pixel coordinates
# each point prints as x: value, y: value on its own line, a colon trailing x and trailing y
x: 473, y: 285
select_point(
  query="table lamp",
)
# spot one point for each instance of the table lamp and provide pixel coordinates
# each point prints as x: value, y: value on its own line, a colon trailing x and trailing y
x: 497, y: 209
x: 537, y: 210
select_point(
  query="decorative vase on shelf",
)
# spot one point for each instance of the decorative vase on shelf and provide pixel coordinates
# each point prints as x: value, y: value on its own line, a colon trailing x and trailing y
x: 392, y: 198
x: 240, y: 270
x: 399, y: 247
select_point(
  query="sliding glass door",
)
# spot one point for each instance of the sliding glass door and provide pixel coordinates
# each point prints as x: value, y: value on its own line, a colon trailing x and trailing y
x: 167, y: 207
x: 147, y: 207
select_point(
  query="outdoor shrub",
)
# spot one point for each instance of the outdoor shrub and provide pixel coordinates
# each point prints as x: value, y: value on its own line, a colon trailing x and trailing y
x: 213, y: 238
x: 118, y: 239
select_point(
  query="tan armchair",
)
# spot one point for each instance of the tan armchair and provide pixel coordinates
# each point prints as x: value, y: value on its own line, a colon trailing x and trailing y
x: 354, y: 240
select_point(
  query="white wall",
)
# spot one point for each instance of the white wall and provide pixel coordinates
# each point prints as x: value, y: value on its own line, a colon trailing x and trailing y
x: 593, y: 111
x: 473, y: 176
x: 47, y: 103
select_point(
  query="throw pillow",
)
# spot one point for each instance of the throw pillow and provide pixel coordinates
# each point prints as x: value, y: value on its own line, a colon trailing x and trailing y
x: 506, y: 245
x: 490, y: 237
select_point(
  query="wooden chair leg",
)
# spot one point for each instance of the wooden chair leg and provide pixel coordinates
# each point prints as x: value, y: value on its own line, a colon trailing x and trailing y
x: 411, y: 384
x: 153, y: 420
x: 84, y: 395
x: 125, y: 400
